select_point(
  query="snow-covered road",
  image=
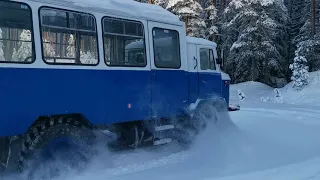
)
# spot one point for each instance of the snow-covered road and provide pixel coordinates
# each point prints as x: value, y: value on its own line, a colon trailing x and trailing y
x: 276, y: 142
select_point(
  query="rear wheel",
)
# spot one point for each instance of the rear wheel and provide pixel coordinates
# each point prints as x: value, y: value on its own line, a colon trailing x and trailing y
x: 55, y: 139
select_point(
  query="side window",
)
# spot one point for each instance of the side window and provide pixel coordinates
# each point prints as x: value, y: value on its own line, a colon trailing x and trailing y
x: 212, y: 60
x: 68, y: 37
x: 123, y: 42
x: 204, y: 59
x: 207, y: 59
x: 16, y: 33
x: 166, y: 48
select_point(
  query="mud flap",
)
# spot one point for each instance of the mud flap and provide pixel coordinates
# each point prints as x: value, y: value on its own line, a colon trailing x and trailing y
x: 4, y: 152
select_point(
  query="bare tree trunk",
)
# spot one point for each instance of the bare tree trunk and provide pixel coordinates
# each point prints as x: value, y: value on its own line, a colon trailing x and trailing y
x: 187, y: 22
x: 313, y: 18
x: 214, y: 38
x: 253, y: 66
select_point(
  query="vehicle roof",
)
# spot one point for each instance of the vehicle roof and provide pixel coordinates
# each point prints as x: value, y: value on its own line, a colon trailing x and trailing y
x: 200, y: 41
x: 122, y: 8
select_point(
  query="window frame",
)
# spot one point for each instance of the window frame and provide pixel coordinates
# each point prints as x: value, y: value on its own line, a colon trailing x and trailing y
x: 32, y: 36
x: 209, y: 50
x: 179, y: 49
x: 116, y: 34
x: 213, y: 60
x: 68, y: 10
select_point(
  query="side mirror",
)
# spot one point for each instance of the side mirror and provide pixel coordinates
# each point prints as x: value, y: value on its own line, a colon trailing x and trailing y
x: 219, y: 61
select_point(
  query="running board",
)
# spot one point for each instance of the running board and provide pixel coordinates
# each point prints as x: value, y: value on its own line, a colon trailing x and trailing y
x: 163, y: 128
x: 162, y: 141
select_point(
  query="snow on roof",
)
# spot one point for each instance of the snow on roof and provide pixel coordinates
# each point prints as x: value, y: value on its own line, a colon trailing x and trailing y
x: 193, y: 40
x: 122, y: 8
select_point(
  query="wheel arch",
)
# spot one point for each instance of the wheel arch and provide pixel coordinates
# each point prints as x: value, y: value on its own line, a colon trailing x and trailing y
x: 214, y: 99
x: 78, y: 116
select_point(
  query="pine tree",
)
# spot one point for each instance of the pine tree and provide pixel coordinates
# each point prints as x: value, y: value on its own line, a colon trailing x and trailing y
x: 24, y: 53
x: 305, y: 38
x: 1, y: 47
x: 295, y: 7
x: 211, y: 18
x: 189, y: 11
x: 256, y: 53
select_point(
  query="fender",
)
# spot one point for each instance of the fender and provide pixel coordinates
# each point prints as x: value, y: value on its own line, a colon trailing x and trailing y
x: 231, y: 107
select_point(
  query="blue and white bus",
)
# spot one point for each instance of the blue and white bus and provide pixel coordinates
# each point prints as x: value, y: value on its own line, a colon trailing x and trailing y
x: 68, y: 68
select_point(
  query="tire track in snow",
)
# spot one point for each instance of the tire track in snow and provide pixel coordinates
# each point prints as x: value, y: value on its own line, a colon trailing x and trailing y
x: 301, y: 115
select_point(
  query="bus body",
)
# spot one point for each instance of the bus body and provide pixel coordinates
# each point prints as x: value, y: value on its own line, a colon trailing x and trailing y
x: 107, y: 63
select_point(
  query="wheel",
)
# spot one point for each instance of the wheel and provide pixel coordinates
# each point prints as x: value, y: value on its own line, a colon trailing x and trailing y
x: 185, y: 131
x: 212, y: 111
x: 63, y: 138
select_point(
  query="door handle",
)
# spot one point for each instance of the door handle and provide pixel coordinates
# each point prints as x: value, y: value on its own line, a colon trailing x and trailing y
x: 194, y: 58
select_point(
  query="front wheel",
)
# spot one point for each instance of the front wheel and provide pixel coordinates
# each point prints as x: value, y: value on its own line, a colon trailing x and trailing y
x: 212, y: 111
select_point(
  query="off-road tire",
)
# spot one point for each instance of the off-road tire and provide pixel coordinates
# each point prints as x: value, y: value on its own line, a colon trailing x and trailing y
x: 193, y: 123
x: 42, y: 132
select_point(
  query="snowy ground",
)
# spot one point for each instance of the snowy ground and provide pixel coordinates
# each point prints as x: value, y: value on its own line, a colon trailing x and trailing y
x: 277, y: 141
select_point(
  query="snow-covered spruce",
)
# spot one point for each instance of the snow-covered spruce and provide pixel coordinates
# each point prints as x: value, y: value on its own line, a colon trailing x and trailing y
x: 309, y: 45
x: 300, y: 73
x: 300, y: 69
x: 189, y: 11
x: 211, y: 18
x: 48, y: 129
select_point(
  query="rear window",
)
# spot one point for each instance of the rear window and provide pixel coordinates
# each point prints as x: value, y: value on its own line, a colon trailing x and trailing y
x: 16, y: 33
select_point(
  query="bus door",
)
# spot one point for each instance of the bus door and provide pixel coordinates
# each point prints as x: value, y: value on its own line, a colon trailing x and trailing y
x: 169, y: 80
x: 209, y: 75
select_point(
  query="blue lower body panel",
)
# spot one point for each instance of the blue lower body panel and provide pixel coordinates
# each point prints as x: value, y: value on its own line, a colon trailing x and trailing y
x: 169, y: 92
x: 99, y: 95
x: 209, y: 84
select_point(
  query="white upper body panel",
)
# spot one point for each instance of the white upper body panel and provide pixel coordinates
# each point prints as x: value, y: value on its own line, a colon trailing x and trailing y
x: 122, y: 8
